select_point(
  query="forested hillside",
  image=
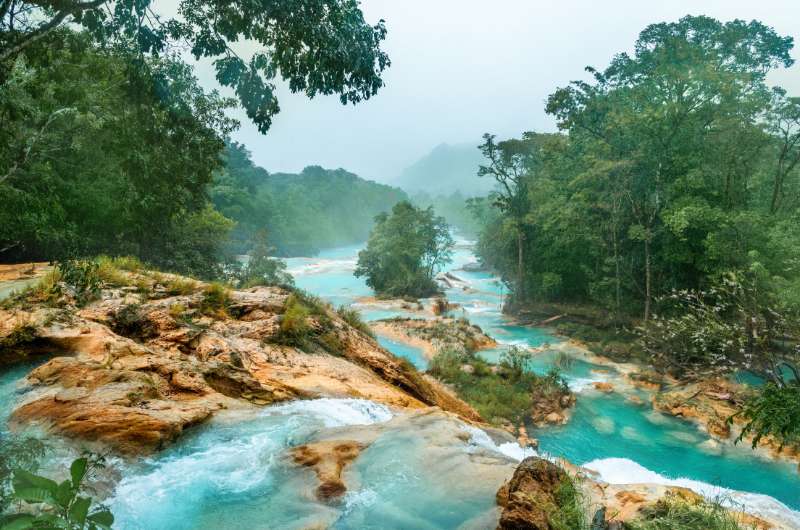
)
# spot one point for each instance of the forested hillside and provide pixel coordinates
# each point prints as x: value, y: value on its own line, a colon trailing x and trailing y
x: 674, y: 166
x: 300, y: 214
x: 109, y: 145
x: 445, y: 170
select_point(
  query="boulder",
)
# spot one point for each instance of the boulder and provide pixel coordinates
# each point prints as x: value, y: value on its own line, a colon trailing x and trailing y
x: 527, y: 498
x: 603, y: 386
x: 136, y: 391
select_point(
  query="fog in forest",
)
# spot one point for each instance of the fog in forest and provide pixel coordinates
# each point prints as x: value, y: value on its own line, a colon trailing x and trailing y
x: 464, y: 67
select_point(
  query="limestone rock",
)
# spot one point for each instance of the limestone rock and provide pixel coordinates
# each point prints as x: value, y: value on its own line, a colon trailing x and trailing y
x: 526, y: 497
x: 328, y: 459
x: 132, y: 376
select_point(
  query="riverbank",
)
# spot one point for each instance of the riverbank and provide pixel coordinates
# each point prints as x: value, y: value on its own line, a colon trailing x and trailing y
x: 156, y: 354
x: 435, y: 335
x: 213, y: 449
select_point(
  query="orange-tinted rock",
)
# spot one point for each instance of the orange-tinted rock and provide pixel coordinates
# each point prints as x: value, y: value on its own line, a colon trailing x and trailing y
x: 138, y: 392
x: 527, y: 498
x: 603, y: 386
x: 328, y: 459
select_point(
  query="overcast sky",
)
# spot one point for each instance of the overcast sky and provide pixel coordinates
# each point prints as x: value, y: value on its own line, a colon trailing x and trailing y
x: 464, y: 67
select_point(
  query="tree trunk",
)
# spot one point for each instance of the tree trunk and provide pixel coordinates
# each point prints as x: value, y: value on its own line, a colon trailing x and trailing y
x: 617, y: 280
x: 520, y: 270
x: 647, y: 279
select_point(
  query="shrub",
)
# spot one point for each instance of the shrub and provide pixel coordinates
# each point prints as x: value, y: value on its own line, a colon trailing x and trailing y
x: 331, y: 342
x: 498, y: 393
x: 733, y: 325
x: 62, y: 505
x: 773, y: 411
x: 128, y: 263
x: 177, y: 311
x: 178, y: 285
x: 22, y: 333
x: 675, y: 513
x: 262, y: 269
x: 216, y: 300
x: 110, y: 272
x: 294, y: 329
x: 353, y: 317
x: 82, y: 277
x: 570, y: 510
x: 516, y: 360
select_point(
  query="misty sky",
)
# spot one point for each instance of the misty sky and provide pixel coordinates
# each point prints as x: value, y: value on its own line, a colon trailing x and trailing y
x: 464, y: 67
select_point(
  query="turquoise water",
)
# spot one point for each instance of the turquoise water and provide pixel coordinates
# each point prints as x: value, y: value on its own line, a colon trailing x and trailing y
x: 604, y: 427
x: 12, y: 389
x: 404, y: 350
x: 234, y: 473
x: 607, y: 426
x: 16, y: 286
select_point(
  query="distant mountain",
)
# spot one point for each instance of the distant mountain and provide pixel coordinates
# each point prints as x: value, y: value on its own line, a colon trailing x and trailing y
x: 446, y: 169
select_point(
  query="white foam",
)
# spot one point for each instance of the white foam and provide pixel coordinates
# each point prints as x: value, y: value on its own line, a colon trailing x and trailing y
x: 336, y: 412
x: 234, y: 463
x: 480, y: 440
x: 320, y: 266
x: 625, y: 471
x: 579, y: 384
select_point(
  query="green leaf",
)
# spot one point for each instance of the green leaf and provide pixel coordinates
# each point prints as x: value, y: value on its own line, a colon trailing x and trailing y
x: 79, y: 510
x: 25, y: 479
x: 33, y: 494
x: 102, y: 518
x: 78, y: 470
x: 20, y: 521
x: 64, y: 494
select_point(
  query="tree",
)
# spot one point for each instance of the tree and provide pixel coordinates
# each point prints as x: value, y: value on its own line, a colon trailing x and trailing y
x: 688, y: 84
x: 65, y: 507
x: 316, y: 46
x: 96, y: 158
x: 784, y: 124
x: 404, y: 251
x: 510, y: 163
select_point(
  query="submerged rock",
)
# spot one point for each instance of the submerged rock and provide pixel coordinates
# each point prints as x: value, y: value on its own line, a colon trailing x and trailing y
x: 328, y: 459
x: 710, y: 404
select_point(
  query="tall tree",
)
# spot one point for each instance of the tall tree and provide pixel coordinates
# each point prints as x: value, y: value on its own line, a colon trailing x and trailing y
x: 657, y: 110
x: 509, y: 163
x: 404, y: 251
x: 316, y: 46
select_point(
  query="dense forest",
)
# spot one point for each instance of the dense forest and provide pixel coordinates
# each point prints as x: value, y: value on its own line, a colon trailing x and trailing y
x: 110, y: 146
x: 669, y: 200
x: 673, y: 166
x: 300, y: 214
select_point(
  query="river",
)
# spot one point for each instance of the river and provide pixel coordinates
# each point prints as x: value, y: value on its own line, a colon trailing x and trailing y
x: 232, y: 472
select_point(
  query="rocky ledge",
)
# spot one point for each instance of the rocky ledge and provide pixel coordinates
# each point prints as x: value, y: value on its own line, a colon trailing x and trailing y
x: 436, y: 334
x: 710, y: 404
x: 544, y: 495
x: 149, y: 358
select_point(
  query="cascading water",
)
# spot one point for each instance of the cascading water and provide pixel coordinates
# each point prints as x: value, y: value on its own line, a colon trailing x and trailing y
x: 235, y: 468
x: 606, y: 431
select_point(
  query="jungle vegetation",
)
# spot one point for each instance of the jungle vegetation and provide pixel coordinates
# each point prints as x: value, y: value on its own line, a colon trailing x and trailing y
x: 405, y: 250
x: 108, y: 144
x: 669, y: 199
